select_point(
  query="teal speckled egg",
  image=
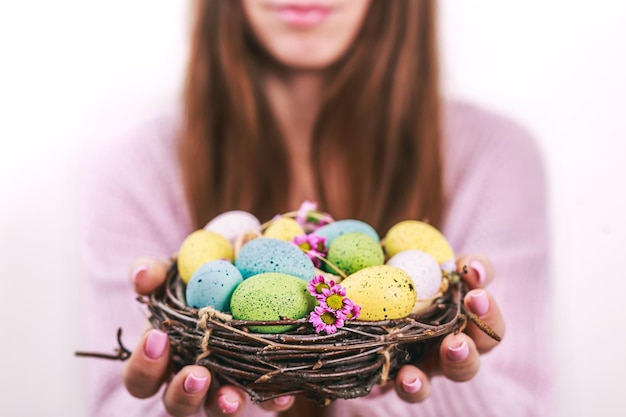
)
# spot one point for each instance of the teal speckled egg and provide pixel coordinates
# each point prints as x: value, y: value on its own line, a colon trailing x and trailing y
x: 212, y: 285
x: 266, y: 254
x: 340, y: 227
x: 270, y: 296
x: 354, y: 251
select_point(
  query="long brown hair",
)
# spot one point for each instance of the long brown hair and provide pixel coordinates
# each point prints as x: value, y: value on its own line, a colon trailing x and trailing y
x: 379, y: 119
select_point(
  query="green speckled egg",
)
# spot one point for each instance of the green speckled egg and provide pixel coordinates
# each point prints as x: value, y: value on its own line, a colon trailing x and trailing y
x: 199, y: 248
x: 384, y: 292
x: 354, y: 251
x: 270, y: 296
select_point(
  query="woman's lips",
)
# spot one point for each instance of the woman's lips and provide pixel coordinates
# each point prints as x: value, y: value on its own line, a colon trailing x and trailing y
x: 303, y: 16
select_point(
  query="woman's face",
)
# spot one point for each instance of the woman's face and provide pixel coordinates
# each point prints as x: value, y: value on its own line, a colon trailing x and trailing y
x: 306, y: 34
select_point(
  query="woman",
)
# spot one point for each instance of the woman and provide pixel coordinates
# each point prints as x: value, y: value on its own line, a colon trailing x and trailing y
x: 336, y: 101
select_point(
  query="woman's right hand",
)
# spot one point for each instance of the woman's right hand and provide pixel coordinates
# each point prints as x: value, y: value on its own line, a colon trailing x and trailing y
x: 192, y: 387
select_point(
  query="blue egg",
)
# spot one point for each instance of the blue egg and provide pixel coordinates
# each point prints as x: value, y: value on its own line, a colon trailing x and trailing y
x: 341, y: 227
x: 265, y: 254
x: 212, y: 285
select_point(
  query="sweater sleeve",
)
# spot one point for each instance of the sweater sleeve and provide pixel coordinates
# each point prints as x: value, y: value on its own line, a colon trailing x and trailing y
x: 496, y: 206
x: 133, y: 206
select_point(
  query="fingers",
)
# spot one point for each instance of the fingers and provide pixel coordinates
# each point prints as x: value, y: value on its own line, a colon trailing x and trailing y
x: 147, y: 274
x: 225, y: 401
x: 412, y: 384
x: 147, y: 366
x: 481, y: 303
x: 278, y: 404
x: 458, y: 357
x: 186, y: 391
x: 476, y: 270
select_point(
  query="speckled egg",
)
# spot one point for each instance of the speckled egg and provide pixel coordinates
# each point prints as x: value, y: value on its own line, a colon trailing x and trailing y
x: 270, y: 296
x: 384, y: 292
x: 232, y: 224
x: 283, y: 228
x: 266, y: 254
x: 354, y: 251
x: 422, y: 268
x: 212, y: 285
x: 337, y: 228
x: 199, y: 248
x: 414, y: 234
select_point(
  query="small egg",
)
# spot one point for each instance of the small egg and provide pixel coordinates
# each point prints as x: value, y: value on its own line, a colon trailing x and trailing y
x: 354, y: 251
x: 337, y: 228
x: 265, y: 254
x: 270, y: 296
x: 232, y: 224
x: 283, y: 228
x: 414, y: 234
x: 200, y: 247
x: 212, y: 285
x: 384, y: 292
x: 422, y: 268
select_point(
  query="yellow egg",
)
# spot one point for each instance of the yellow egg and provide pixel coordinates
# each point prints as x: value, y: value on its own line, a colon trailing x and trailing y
x: 200, y: 247
x: 384, y: 292
x: 414, y: 234
x: 283, y: 228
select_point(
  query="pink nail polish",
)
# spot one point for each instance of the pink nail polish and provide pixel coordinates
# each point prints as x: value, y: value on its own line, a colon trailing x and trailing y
x: 194, y: 384
x: 155, y: 344
x: 412, y: 387
x: 480, y: 270
x: 281, y: 401
x: 479, y: 302
x: 458, y: 353
x: 138, y: 273
x: 227, y: 405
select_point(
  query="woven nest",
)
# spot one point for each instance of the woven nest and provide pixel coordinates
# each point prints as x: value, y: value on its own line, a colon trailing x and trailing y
x: 346, y: 364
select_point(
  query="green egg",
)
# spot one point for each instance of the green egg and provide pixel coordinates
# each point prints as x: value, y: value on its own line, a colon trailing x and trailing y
x: 270, y: 296
x: 354, y: 251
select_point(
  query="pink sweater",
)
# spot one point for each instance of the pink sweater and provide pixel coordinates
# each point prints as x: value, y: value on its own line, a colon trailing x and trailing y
x: 134, y: 206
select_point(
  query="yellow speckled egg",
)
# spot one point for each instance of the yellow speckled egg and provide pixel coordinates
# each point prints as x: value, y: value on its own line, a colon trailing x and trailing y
x: 414, y: 234
x: 200, y: 247
x: 283, y: 228
x: 384, y: 292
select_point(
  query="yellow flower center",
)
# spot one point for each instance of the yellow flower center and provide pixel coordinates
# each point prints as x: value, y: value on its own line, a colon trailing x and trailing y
x: 328, y: 318
x: 319, y: 287
x: 335, y: 301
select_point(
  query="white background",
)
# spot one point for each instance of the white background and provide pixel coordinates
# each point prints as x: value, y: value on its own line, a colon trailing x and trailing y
x: 73, y: 72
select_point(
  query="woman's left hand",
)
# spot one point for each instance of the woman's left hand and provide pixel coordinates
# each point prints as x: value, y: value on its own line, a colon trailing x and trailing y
x: 458, y: 357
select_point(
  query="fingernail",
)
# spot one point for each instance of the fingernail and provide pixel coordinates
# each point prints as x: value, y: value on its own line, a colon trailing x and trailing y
x: 155, y: 344
x: 138, y: 273
x: 228, y: 406
x: 281, y: 401
x: 458, y: 353
x: 194, y: 384
x: 480, y: 270
x: 412, y: 387
x: 479, y: 302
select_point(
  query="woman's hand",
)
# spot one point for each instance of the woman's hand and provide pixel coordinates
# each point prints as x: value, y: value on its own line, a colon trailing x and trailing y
x: 458, y: 357
x: 148, y: 369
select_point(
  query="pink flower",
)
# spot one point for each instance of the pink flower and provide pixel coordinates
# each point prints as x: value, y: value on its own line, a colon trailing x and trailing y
x: 325, y: 320
x: 313, y: 245
x: 309, y: 218
x: 334, y: 299
x: 317, y: 284
x: 355, y: 311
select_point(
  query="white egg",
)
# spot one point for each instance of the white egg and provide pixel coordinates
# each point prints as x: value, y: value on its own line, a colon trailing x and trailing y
x: 423, y: 268
x: 232, y: 224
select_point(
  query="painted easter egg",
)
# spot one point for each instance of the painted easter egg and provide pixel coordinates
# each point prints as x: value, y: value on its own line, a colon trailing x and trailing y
x: 232, y: 224
x: 351, y: 252
x: 270, y: 296
x: 212, y: 285
x: 283, y: 228
x: 199, y: 248
x: 384, y: 292
x: 266, y: 254
x: 340, y: 227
